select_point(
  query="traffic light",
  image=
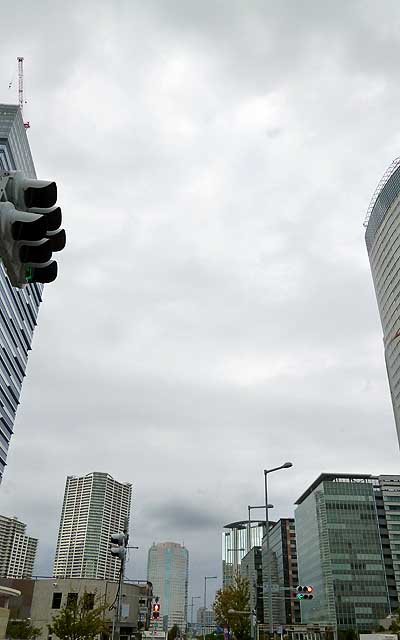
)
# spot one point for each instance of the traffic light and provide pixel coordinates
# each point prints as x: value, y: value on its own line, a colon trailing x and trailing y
x: 118, y: 542
x: 29, y: 228
x: 156, y: 610
x: 305, y: 593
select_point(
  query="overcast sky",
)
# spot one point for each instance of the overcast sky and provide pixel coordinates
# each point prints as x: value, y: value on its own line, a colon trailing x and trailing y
x: 214, y: 313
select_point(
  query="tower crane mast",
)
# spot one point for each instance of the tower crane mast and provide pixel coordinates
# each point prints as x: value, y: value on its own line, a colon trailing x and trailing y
x: 21, y: 88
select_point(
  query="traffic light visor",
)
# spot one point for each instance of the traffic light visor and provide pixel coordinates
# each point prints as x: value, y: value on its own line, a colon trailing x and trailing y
x: 30, y: 230
x: 43, y: 194
x: 43, y: 274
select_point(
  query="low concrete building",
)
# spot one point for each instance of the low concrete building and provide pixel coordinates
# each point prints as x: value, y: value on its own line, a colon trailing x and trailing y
x: 41, y: 599
x: 6, y: 593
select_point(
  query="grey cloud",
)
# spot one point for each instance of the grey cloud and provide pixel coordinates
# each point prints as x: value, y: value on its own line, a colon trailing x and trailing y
x: 214, y: 312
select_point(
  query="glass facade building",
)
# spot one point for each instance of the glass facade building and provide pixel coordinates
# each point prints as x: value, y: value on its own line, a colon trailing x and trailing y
x: 236, y: 542
x: 284, y: 573
x: 340, y: 552
x: 387, y: 495
x: 168, y: 571
x: 94, y: 507
x: 382, y: 238
x: 251, y: 567
x: 18, y: 307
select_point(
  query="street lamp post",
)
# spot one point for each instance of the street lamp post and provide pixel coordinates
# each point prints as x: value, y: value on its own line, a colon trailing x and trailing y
x: 249, y: 508
x: 286, y: 465
x: 205, y: 602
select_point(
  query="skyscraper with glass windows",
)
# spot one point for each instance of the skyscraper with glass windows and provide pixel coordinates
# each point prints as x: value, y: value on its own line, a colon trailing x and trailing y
x: 168, y: 571
x: 284, y: 573
x: 18, y: 307
x: 237, y: 540
x: 382, y: 237
x: 340, y: 552
x: 94, y: 507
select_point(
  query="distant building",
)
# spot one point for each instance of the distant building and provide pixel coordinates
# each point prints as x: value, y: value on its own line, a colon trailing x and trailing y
x: 251, y: 568
x: 382, y: 237
x: 19, y: 308
x: 340, y: 552
x: 284, y: 574
x: 42, y: 599
x: 168, y: 571
x: 205, y: 620
x: 17, y: 550
x: 94, y: 507
x: 236, y: 542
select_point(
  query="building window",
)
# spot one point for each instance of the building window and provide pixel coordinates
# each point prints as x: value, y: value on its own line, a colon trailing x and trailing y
x: 89, y: 601
x: 72, y: 599
x: 56, y: 604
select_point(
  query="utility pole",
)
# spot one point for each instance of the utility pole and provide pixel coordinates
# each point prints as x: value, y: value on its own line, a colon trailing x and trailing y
x: 119, y: 543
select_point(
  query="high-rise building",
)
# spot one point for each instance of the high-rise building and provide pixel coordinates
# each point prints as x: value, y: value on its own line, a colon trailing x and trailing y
x: 94, y: 507
x: 252, y: 569
x: 284, y: 573
x: 382, y: 237
x: 17, y: 550
x: 236, y: 542
x: 340, y: 552
x: 387, y: 497
x: 168, y: 571
x: 18, y: 307
x: 205, y: 620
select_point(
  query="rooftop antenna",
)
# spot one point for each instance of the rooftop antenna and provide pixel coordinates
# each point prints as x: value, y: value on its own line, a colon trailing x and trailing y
x: 21, y: 89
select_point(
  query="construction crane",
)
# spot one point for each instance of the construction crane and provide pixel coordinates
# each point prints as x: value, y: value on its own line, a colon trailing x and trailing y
x: 21, y: 89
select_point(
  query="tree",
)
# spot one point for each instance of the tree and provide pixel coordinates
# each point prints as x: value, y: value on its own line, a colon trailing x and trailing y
x: 81, y: 619
x: 173, y: 632
x: 395, y: 626
x: 22, y: 629
x: 237, y: 597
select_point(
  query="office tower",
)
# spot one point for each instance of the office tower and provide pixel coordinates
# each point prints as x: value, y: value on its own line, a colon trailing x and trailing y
x: 168, y: 571
x: 236, y: 542
x: 94, y: 507
x: 382, y: 237
x: 284, y: 573
x: 205, y: 620
x: 340, y: 552
x: 17, y: 550
x: 252, y: 569
x: 18, y: 307
x: 387, y: 498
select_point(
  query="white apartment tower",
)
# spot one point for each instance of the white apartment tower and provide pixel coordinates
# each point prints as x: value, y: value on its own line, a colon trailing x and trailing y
x: 168, y: 570
x: 94, y: 507
x: 17, y: 550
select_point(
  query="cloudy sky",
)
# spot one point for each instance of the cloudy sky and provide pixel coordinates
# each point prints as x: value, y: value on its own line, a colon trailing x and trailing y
x: 214, y: 313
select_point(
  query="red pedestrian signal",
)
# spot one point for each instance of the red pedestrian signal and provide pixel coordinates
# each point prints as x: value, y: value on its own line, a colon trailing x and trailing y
x: 156, y: 610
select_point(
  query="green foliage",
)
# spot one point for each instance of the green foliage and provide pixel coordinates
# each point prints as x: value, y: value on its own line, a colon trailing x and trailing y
x: 174, y: 632
x: 79, y: 621
x: 22, y: 629
x: 237, y: 597
x: 395, y: 626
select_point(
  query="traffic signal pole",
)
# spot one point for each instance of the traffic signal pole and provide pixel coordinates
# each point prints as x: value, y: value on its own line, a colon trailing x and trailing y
x: 121, y: 553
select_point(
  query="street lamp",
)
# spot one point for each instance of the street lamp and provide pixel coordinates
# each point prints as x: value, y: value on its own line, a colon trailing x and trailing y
x: 286, y: 465
x: 249, y: 508
x: 205, y: 602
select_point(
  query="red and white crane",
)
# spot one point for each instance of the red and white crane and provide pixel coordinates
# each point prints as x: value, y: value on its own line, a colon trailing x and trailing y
x: 21, y: 89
